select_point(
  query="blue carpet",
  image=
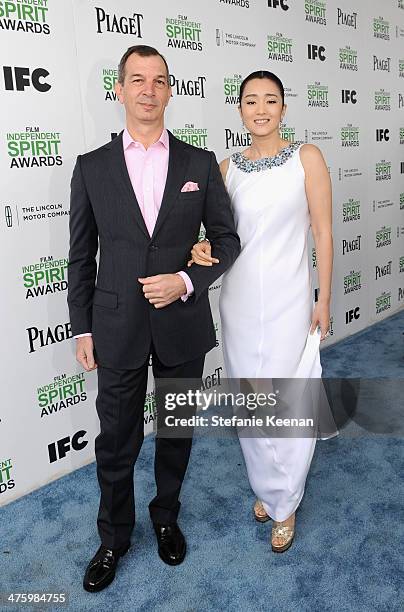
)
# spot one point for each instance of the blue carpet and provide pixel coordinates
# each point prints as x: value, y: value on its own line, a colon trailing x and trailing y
x: 349, y: 539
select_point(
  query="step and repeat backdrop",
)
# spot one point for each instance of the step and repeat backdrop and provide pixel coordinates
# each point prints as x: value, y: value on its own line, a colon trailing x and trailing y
x: 342, y: 64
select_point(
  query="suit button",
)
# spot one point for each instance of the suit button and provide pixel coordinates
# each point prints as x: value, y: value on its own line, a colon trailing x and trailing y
x: 153, y: 247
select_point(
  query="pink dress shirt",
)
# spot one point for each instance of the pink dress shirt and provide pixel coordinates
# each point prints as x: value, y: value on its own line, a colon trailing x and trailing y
x: 147, y: 169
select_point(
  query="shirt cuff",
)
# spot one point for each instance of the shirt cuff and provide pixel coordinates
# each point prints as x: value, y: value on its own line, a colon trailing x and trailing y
x: 82, y: 335
x: 188, y: 284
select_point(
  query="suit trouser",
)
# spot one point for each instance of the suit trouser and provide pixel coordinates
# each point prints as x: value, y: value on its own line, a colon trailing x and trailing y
x: 120, y: 408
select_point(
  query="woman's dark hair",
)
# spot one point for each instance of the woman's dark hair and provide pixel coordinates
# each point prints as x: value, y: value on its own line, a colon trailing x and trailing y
x: 263, y: 74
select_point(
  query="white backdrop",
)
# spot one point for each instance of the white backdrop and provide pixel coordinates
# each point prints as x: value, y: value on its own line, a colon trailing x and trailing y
x: 342, y: 64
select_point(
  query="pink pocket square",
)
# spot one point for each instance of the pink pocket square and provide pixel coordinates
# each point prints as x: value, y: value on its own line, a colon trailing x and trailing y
x: 190, y: 186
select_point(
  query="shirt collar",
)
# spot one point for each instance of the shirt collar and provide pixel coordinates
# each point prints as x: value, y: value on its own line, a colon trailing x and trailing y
x: 127, y: 139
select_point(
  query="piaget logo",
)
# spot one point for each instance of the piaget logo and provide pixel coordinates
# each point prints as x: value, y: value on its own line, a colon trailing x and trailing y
x: 401, y: 68
x: 352, y: 281
x: 401, y: 135
x: 288, y: 132
x: 33, y: 148
x: 6, y: 481
x: 351, y: 210
x: 401, y: 264
x: 63, y: 392
x: 382, y: 100
x: 109, y: 78
x: 383, y: 171
x: 188, y: 87
x: 350, y: 136
x: 383, y: 237
x: 150, y: 411
x: 348, y: 58
x: 381, y: 28
x: 24, y: 16
x: 280, y: 48
x: 315, y: 11
x: 383, y: 302
x: 192, y: 135
x: 183, y: 33
x: 317, y: 95
x: 46, y: 276
x: 232, y: 88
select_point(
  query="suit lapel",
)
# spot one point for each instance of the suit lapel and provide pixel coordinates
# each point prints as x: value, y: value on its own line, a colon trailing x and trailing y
x: 119, y: 171
x: 177, y: 166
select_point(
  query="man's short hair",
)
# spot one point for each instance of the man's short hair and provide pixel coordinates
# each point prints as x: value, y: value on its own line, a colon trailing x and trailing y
x: 143, y: 51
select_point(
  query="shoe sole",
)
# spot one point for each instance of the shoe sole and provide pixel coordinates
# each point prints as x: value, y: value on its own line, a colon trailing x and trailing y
x: 282, y: 549
x: 261, y: 519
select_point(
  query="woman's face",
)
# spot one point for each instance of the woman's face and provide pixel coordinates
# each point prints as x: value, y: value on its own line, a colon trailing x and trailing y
x: 261, y: 107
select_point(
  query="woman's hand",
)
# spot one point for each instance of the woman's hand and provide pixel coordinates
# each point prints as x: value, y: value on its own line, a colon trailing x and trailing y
x: 321, y: 319
x: 201, y: 254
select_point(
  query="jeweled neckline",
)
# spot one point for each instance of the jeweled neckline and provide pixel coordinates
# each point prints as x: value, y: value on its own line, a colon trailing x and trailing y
x: 264, y: 163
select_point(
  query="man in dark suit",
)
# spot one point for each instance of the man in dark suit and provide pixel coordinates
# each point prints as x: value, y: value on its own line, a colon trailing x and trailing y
x: 141, y: 198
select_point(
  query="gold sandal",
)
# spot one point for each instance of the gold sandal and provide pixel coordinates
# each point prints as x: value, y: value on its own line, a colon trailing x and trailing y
x: 259, y: 512
x: 283, y: 533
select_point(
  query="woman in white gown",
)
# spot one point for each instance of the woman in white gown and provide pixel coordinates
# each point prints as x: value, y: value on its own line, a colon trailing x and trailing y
x: 270, y: 326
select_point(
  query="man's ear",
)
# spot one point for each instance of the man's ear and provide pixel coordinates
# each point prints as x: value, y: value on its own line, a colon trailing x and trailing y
x: 118, y: 91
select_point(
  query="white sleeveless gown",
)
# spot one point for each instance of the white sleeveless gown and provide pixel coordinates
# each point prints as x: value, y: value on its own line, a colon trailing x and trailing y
x: 266, y: 305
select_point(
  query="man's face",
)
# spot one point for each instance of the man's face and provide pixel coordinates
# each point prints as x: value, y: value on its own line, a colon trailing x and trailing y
x: 145, y: 91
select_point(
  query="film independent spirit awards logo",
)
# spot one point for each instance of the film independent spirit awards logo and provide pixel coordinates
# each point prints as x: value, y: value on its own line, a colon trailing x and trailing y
x: 183, y: 32
x: 44, y: 277
x: 316, y: 11
x: 34, y: 149
x: 6, y: 480
x: 29, y: 17
x: 192, y: 135
x: 63, y: 392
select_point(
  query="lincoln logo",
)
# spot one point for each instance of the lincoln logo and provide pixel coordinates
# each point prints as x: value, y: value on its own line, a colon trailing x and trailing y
x: 8, y: 216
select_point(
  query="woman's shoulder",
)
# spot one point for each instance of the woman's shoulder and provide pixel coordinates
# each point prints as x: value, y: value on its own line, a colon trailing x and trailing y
x: 310, y: 152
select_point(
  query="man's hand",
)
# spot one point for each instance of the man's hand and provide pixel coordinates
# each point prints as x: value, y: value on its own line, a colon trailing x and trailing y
x: 85, y: 353
x: 163, y: 289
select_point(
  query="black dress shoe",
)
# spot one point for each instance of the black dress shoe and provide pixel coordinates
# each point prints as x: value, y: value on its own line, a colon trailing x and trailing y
x: 171, y: 541
x: 100, y: 571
